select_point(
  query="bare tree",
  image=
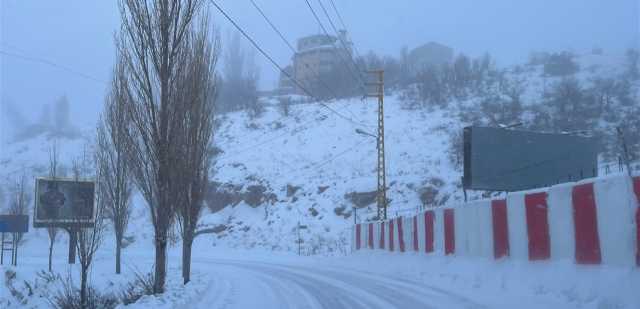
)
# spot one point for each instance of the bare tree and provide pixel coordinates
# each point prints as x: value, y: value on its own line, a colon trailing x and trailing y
x: 238, y: 90
x: 20, y: 201
x: 152, y: 45
x: 113, y: 175
x: 88, y: 238
x: 197, y: 94
x: 52, y: 231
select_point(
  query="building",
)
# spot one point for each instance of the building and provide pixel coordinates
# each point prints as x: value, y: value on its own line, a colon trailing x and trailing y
x: 316, y: 54
x: 430, y: 54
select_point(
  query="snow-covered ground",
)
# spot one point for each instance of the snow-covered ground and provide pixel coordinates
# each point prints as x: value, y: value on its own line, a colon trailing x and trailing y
x: 231, y: 278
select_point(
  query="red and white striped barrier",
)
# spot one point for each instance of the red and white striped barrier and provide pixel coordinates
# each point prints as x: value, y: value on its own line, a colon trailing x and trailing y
x: 590, y: 222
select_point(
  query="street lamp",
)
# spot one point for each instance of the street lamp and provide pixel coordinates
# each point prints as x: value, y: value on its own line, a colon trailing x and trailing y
x: 362, y: 132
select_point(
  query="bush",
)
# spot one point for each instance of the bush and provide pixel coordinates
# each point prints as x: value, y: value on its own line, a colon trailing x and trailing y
x: 141, y: 285
x: 69, y: 298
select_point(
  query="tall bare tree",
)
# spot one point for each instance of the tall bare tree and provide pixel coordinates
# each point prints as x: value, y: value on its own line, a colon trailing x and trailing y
x: 113, y: 175
x: 88, y: 238
x: 197, y: 93
x: 53, y: 173
x: 152, y: 44
x: 20, y: 200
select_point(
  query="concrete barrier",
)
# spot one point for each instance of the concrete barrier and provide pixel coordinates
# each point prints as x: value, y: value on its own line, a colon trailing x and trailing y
x: 592, y: 222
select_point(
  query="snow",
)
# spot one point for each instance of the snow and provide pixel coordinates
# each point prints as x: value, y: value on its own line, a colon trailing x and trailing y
x: 616, y: 221
x: 233, y: 278
x: 517, y: 225
x: 560, y: 214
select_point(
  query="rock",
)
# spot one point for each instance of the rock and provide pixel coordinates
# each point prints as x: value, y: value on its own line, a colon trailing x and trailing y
x: 321, y: 189
x: 291, y: 190
x: 221, y: 195
x: 255, y: 195
x: 362, y: 199
x: 313, y: 211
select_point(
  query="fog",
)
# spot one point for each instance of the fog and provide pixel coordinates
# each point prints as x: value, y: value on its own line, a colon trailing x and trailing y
x: 76, y: 38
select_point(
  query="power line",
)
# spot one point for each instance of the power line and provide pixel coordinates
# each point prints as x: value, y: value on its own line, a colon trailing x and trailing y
x: 274, y: 63
x: 335, y: 9
x: 265, y: 54
x: 344, y: 46
x: 53, y: 64
x: 293, y: 50
x: 357, y: 76
x: 273, y: 26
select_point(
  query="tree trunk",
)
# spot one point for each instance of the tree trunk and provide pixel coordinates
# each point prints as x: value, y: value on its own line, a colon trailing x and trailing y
x: 83, y: 287
x: 50, y: 253
x: 161, y: 266
x: 186, y: 259
x: 118, y: 251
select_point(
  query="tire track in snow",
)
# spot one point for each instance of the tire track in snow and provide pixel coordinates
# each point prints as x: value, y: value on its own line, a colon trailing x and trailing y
x: 270, y: 285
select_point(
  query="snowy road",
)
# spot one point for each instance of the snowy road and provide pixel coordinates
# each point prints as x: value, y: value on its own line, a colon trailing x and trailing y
x: 248, y: 284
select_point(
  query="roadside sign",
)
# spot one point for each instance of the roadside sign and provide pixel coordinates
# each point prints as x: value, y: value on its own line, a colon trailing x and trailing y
x: 14, y: 223
x: 64, y: 203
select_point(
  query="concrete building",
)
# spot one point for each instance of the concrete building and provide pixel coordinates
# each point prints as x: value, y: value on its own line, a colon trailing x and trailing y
x: 316, y: 54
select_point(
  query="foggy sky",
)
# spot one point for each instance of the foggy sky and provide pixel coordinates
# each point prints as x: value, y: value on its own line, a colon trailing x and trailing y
x: 78, y: 35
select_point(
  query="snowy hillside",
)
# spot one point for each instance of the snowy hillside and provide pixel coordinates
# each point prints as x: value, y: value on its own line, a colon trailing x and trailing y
x: 310, y: 167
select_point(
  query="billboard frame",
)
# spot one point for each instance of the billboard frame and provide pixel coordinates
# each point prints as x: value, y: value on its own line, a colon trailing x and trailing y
x: 69, y: 224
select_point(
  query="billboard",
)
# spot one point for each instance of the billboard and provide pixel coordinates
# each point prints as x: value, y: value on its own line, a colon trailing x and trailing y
x: 64, y: 203
x: 500, y: 159
x: 14, y: 223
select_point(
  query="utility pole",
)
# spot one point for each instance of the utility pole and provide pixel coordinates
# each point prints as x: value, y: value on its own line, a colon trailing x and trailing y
x: 382, y: 181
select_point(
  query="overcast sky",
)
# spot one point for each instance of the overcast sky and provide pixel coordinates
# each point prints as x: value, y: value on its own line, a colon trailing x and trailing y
x: 78, y: 35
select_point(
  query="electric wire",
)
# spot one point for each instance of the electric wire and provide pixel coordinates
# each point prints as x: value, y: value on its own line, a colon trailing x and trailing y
x: 53, y: 64
x: 357, y: 76
x: 274, y: 63
x: 335, y: 9
x: 344, y: 45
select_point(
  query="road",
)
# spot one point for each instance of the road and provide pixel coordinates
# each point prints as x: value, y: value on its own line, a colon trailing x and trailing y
x: 250, y: 284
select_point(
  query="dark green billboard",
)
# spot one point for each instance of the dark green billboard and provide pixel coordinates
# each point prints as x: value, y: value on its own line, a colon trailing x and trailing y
x: 498, y: 159
x: 64, y: 203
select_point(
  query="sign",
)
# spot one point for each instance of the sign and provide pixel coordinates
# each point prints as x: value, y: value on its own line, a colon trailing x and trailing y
x: 500, y: 159
x: 14, y: 223
x: 64, y: 203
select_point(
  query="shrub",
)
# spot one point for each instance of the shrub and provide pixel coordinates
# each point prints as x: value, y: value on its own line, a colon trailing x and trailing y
x: 69, y: 298
x: 141, y: 285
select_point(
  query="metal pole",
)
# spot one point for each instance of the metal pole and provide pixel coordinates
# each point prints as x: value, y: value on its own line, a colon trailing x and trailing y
x: 73, y: 238
x: 299, y: 242
x: 382, y: 181
x: 2, y: 250
x: 355, y: 216
x: 14, y: 251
